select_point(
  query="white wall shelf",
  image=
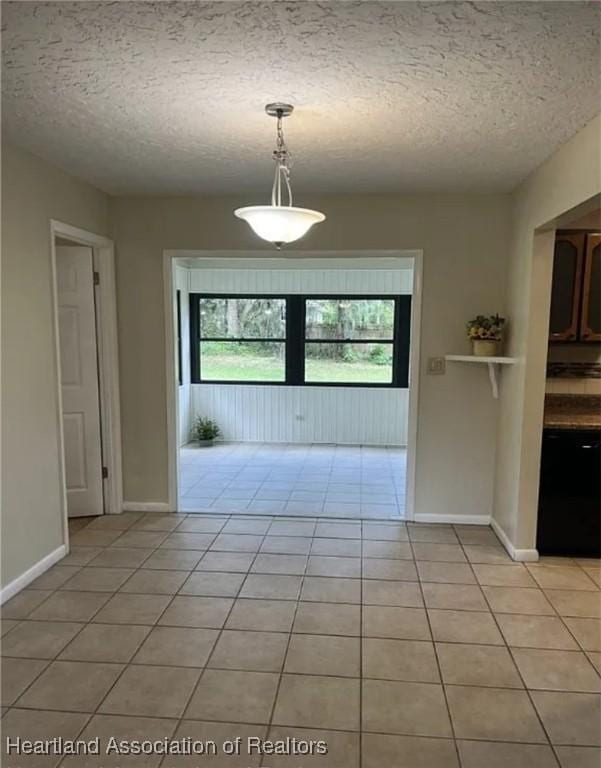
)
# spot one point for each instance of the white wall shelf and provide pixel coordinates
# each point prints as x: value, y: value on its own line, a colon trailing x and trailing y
x: 493, y: 364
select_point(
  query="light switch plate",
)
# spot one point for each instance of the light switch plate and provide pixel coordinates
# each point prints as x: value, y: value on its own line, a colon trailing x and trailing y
x: 436, y: 366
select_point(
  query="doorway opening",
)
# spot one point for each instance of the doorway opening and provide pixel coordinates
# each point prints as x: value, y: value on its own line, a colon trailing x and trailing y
x: 308, y: 366
x: 84, y: 305
x: 570, y: 477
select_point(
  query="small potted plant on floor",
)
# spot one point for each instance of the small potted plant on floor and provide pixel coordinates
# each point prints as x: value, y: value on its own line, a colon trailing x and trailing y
x: 486, y: 333
x: 205, y: 431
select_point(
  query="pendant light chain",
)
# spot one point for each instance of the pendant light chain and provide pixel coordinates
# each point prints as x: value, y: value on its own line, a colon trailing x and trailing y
x: 281, y: 222
x: 282, y: 158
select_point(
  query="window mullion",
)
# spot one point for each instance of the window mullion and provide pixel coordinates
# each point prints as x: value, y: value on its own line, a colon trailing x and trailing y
x: 295, y: 340
x: 195, y: 338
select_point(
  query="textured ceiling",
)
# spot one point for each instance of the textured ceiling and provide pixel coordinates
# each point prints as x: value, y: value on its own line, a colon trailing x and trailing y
x: 167, y: 97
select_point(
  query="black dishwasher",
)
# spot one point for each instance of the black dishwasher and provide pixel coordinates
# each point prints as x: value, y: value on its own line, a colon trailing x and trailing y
x: 569, y: 507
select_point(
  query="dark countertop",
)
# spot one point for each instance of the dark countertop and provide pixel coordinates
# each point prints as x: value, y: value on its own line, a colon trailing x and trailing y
x: 572, y: 412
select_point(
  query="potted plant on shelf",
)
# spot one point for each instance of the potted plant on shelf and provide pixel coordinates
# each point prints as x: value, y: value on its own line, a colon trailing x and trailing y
x: 486, y: 334
x: 205, y: 431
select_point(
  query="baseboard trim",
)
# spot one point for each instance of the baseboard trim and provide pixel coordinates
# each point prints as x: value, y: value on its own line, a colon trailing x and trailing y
x: 146, y: 506
x: 455, y: 519
x: 15, y: 586
x: 519, y: 555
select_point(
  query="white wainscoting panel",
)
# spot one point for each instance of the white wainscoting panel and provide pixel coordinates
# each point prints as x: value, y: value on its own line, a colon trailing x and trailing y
x: 266, y: 281
x: 305, y: 414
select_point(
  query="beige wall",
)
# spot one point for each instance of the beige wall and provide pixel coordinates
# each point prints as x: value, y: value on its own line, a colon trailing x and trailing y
x: 566, y: 180
x: 32, y: 194
x: 464, y: 239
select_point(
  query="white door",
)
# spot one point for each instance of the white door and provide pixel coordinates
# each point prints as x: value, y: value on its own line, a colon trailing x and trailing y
x: 79, y: 380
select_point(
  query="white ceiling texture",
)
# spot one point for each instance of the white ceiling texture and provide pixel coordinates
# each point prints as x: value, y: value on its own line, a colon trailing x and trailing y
x: 167, y: 97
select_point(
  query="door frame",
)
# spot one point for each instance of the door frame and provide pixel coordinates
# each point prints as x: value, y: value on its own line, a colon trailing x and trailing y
x: 103, y: 259
x: 169, y: 257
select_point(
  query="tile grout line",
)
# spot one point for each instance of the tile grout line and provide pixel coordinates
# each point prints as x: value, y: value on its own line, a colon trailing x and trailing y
x: 270, y: 724
x: 52, y: 660
x: 438, y: 667
x: 525, y: 687
x: 332, y: 465
x: 228, y: 518
x: 186, y: 705
x: 127, y: 664
x: 335, y: 730
x: 361, y: 633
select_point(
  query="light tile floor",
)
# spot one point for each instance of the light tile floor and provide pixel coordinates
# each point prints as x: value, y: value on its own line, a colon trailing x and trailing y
x: 402, y: 646
x: 295, y: 480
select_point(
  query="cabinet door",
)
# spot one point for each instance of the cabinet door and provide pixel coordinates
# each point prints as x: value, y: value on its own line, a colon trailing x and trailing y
x: 590, y: 328
x: 565, y: 292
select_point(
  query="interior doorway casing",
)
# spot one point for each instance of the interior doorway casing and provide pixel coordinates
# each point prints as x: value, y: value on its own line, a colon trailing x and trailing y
x: 533, y: 360
x: 108, y: 363
x: 169, y: 263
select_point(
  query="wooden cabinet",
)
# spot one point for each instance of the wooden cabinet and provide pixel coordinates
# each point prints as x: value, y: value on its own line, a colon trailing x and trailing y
x: 576, y: 288
x: 566, y: 288
x: 591, y: 291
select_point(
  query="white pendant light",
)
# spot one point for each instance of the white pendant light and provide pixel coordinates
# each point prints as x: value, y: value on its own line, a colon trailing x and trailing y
x: 277, y: 223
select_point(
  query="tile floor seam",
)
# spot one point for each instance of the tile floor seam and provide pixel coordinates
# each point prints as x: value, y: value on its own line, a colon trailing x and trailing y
x: 439, y: 669
x: 308, y: 728
x: 61, y: 762
x: 127, y: 665
x: 361, y: 643
x: 273, y: 468
x: 508, y: 648
x: 41, y: 672
x: 319, y: 634
x: 525, y: 687
x: 579, y: 649
x: 53, y: 659
x: 305, y: 600
x: 569, y: 630
x: 281, y: 677
x: 218, y: 638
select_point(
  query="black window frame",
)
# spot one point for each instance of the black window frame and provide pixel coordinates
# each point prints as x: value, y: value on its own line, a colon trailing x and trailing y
x: 295, y: 339
x: 180, y: 369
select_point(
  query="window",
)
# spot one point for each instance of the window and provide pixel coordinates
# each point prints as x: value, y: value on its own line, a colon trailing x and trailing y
x: 239, y: 339
x: 301, y: 340
x: 349, y: 340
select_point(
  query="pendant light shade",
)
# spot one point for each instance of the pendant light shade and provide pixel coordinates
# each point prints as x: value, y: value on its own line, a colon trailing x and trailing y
x: 279, y: 224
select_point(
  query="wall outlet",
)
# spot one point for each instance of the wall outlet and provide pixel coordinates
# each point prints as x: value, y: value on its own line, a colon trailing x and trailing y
x: 436, y: 366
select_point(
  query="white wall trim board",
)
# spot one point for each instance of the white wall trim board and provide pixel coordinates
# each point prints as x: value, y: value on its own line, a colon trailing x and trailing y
x: 108, y: 362
x: 519, y: 555
x: 414, y: 364
x: 454, y: 519
x: 173, y: 415
x: 146, y: 506
x: 15, y: 586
